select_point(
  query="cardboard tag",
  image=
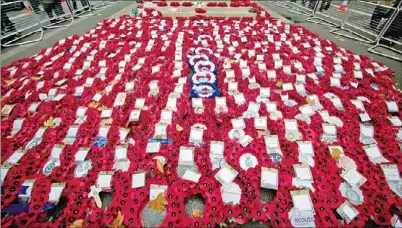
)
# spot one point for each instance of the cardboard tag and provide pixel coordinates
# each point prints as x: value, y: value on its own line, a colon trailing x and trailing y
x: 269, y: 178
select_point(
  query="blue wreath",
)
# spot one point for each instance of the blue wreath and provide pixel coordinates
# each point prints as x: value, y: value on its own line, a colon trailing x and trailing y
x: 192, y: 64
x: 195, y: 73
x: 215, y: 91
x: 214, y: 71
x: 204, y: 35
x: 196, y: 51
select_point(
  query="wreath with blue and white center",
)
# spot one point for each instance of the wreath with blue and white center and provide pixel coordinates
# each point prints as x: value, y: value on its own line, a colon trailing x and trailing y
x: 195, y: 58
x: 204, y: 65
x: 203, y: 77
x: 205, y: 90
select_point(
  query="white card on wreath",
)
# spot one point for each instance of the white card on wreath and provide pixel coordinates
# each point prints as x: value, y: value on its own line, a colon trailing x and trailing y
x: 305, y: 148
x: 269, y: 178
x: 196, y: 135
x: 138, y: 180
x: 226, y: 175
x: 303, y: 172
x: 301, y: 200
x: 191, y: 176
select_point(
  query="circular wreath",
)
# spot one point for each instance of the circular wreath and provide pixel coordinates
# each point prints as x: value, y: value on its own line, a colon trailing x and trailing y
x: 195, y: 58
x: 205, y: 90
x: 204, y: 65
x: 202, y: 50
x: 203, y: 77
x: 205, y: 37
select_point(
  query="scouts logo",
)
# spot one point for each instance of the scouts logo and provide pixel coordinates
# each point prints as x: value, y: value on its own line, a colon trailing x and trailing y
x: 47, y: 170
x: 82, y: 168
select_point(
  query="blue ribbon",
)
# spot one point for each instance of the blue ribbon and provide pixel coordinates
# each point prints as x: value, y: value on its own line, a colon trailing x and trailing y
x: 18, y: 208
x: 162, y: 141
x: 23, y: 190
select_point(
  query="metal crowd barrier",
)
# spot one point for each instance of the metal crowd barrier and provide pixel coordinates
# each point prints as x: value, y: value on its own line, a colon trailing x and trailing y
x: 22, y: 18
x: 80, y: 8
x: 98, y: 4
x: 391, y: 35
x: 53, y: 13
x: 363, y: 20
x: 330, y: 12
x: 303, y: 7
x: 368, y: 21
x: 18, y: 21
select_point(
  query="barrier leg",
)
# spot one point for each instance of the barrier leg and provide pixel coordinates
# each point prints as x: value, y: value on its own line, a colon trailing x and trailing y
x: 374, y: 51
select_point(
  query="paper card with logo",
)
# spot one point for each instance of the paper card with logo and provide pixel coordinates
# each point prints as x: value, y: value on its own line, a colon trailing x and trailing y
x: 391, y: 172
x: 353, y: 177
x: 160, y: 131
x: 347, y: 212
x: 134, y: 115
x: 216, y: 154
x: 374, y: 154
x: 292, y: 130
x: 329, y: 133
x: 302, y: 201
x: 367, y: 134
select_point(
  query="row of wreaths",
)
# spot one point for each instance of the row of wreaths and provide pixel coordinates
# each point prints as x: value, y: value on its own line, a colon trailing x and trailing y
x: 203, y: 77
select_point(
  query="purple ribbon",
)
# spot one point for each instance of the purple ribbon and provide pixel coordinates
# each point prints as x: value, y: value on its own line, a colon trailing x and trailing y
x: 19, y: 208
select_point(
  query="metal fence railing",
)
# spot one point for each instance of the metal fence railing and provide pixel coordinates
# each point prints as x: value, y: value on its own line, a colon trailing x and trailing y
x: 18, y: 21
x: 376, y: 22
x: 80, y: 8
x: 53, y: 13
x: 21, y: 19
x: 330, y: 12
x: 390, y: 37
x: 364, y: 20
x: 98, y: 4
x: 303, y: 7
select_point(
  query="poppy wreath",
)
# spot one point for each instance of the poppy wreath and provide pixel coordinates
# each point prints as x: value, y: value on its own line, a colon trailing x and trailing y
x: 222, y: 4
x: 205, y: 37
x: 91, y: 70
x: 195, y: 58
x: 204, y: 65
x: 187, y: 4
x: 161, y: 4
x: 175, y: 4
x: 204, y: 90
x: 203, y: 50
x: 200, y: 10
x: 212, y: 4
